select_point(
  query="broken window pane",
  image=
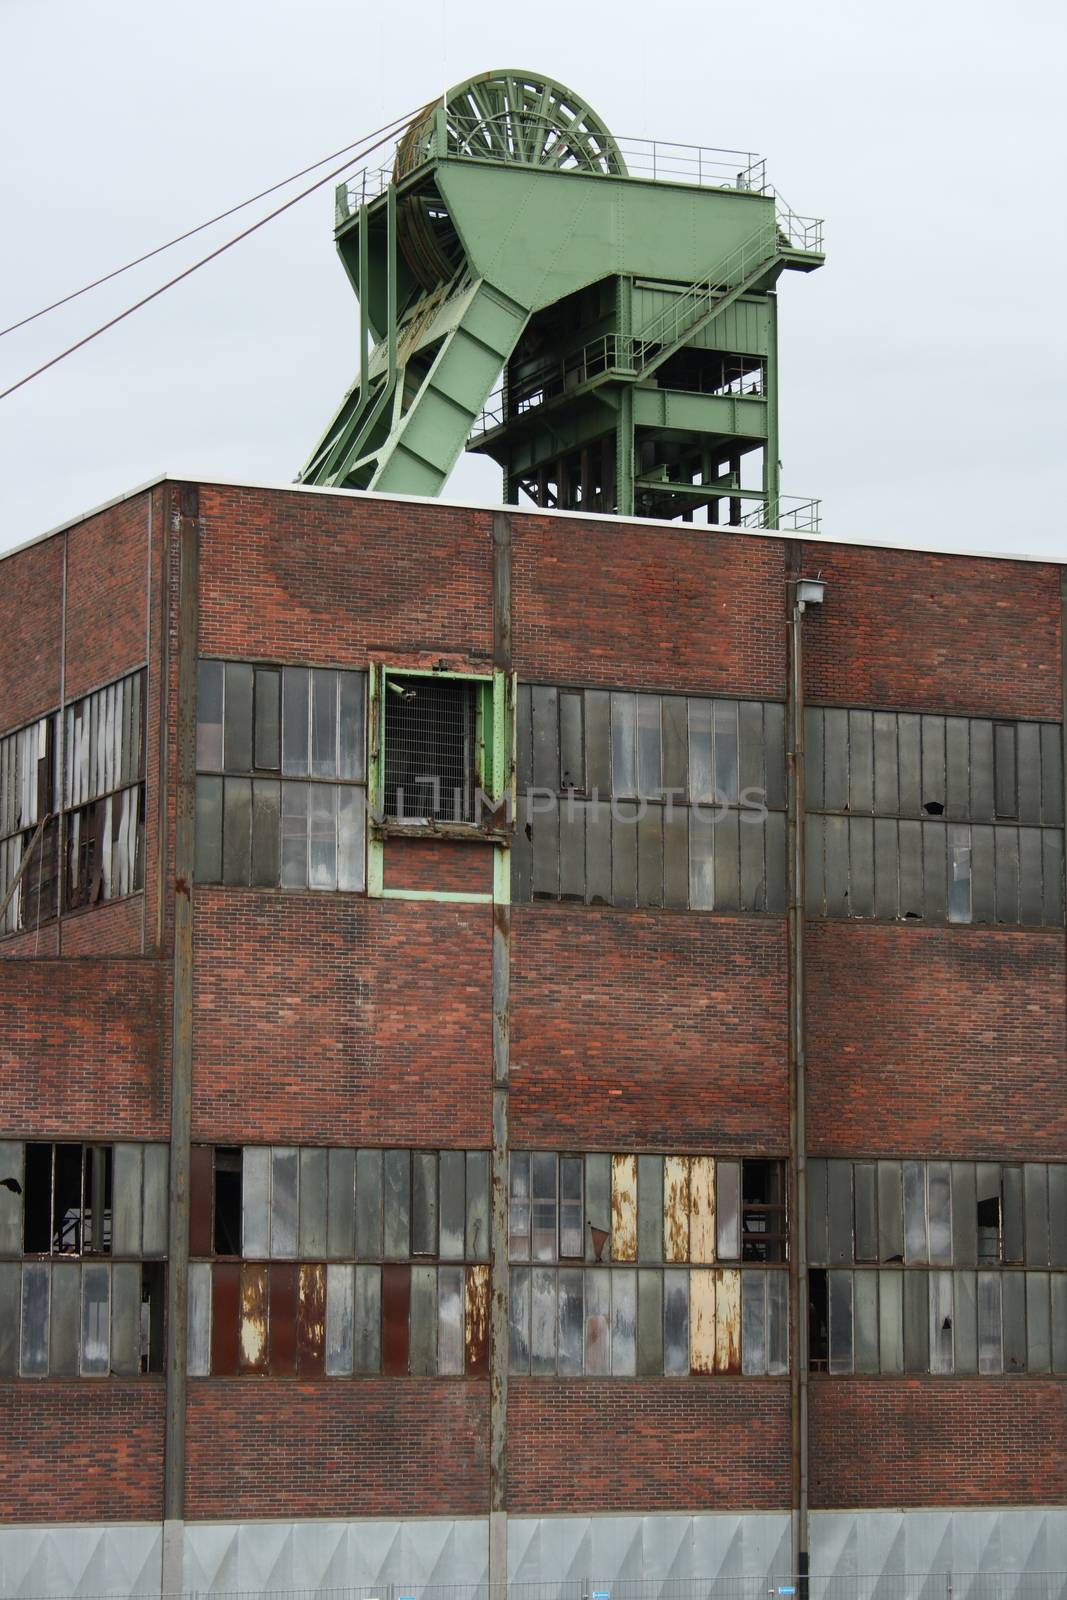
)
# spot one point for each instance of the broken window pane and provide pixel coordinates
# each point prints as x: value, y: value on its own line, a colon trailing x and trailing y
x: 763, y: 1232
x: 571, y: 742
x: 229, y: 1189
x: 941, y: 1322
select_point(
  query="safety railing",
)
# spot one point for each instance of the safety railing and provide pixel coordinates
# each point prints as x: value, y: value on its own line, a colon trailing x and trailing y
x: 686, y: 309
x: 791, y: 513
x: 549, y: 380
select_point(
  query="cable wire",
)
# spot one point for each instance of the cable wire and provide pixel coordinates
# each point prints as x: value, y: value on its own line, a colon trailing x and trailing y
x: 191, y: 232
x: 154, y: 295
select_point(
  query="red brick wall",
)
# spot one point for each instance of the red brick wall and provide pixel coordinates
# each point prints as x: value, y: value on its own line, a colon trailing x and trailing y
x: 661, y: 1445
x: 107, y: 580
x: 942, y: 1442
x: 372, y: 1447
x: 653, y: 1029
x: 31, y: 583
x: 331, y: 1019
x: 78, y: 1451
x: 438, y: 864
x: 936, y: 1041
x: 292, y: 576
x: 909, y: 629
x: 110, y: 928
x: 83, y: 1049
x: 601, y: 602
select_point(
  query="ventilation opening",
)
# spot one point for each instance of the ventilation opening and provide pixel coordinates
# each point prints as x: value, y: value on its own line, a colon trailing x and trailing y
x: 934, y: 808
x: 989, y: 1229
x: 818, y: 1321
x: 227, y: 1201
x: 430, y: 749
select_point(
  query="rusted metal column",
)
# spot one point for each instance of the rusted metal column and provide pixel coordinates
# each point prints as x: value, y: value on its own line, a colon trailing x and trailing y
x: 181, y: 520
x: 498, y: 1233
x: 798, y: 1208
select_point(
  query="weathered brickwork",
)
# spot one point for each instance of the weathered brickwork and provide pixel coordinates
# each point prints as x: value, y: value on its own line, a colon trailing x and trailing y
x: 107, y: 577
x: 31, y: 648
x: 83, y: 1452
x: 936, y: 1041
x: 658, y: 1445
x: 331, y: 1019
x: 83, y: 1049
x: 648, y: 1029
x: 386, y: 1447
x: 906, y: 629
x: 947, y: 1442
x: 447, y: 867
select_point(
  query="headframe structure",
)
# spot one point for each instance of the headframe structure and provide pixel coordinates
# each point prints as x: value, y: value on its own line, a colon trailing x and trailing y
x: 599, y: 316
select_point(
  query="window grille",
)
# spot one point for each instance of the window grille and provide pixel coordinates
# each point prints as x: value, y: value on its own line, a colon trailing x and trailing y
x: 431, y: 736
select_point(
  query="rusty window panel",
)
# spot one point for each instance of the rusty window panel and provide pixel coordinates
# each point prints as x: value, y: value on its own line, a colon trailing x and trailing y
x: 452, y: 1204
x: 1057, y: 1210
x: 477, y: 1205
x: 396, y: 1183
x: 957, y: 768
x: 676, y: 858
x: 369, y: 1204
x: 675, y: 763
x: 545, y: 842
x: 126, y: 1200
x: 839, y: 1211
x: 753, y: 888
x: 476, y: 1321
x: 1036, y: 1207
x: 702, y: 1208
x: 886, y: 788
x: 64, y: 1320
x: 649, y: 745
x: 209, y: 714
x: 396, y: 1304
x: 208, y: 864
x: 702, y: 1322
x: 598, y: 1207
x: 225, y: 1318
x: 864, y: 1185
x: 597, y: 1321
x: 1058, y: 1287
x: 236, y: 830
x: 571, y: 1208
x: 754, y: 1323
x: 598, y: 741
x: 675, y: 1322
x: 311, y: 1319
x: 916, y: 1322
x: 571, y: 741
x: 543, y: 1321
x: 518, y: 1320
x: 777, y: 1324
x: 423, y: 1203
x: 814, y: 865
x: 728, y: 1210
x: 941, y: 1322
x: 544, y: 1213
x: 836, y: 834
x: 545, y: 714
x: 10, y: 1305
x: 701, y: 862
x: 198, y: 1350
x: 701, y: 751
x: 865, y: 1315
x: 1011, y: 1187
x: 860, y: 762
x: 964, y: 1322
x: 572, y: 849
x: 727, y: 847
x: 450, y: 1321
x: 1052, y: 878
x: 422, y: 1343
x: 623, y: 1322
x: 519, y: 1210
x: 650, y: 1322
x: 839, y: 1287
x: 650, y: 1208
x: 676, y: 1208
x: 623, y: 1208
x: 1051, y: 775
x: 624, y: 853
x: 891, y: 1321
x: 254, y: 1323
x: 524, y: 738
x: 571, y: 1326
x: 728, y: 1320
x: 367, y: 1335
x: 340, y: 1284
x: 990, y: 1330
x: 1013, y: 1302
x: 598, y: 856
x: 624, y: 744
x: 237, y: 717
x: 12, y: 1188
x: 282, y: 1314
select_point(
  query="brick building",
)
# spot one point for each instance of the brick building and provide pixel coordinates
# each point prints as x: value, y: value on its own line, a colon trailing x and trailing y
x: 402, y: 1188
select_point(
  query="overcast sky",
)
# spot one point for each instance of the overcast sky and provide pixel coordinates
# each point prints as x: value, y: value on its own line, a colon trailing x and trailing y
x: 922, y: 368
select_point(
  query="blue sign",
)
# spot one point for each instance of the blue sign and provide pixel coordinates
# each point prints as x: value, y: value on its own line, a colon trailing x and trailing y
x: 601, y: 1594
x: 787, y: 1591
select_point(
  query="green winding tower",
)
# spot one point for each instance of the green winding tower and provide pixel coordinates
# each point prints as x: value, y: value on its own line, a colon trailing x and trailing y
x: 598, y: 315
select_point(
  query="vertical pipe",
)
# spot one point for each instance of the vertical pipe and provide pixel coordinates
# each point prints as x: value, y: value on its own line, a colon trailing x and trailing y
x: 183, y: 524
x: 798, y: 1263
x: 771, y: 463
x: 501, y: 981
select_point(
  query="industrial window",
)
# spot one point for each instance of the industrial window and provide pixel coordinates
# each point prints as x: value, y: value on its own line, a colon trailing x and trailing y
x: 281, y: 776
x: 344, y: 1261
x: 28, y: 826
x: 77, y: 1294
x: 432, y: 737
x: 103, y: 775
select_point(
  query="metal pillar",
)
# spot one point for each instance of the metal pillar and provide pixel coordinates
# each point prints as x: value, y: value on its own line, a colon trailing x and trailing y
x: 182, y: 523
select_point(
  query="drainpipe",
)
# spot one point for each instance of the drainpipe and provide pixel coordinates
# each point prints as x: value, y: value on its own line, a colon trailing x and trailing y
x: 801, y: 593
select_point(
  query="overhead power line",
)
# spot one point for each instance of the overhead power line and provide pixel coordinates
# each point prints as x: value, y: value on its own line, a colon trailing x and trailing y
x: 187, y: 272
x: 191, y: 232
